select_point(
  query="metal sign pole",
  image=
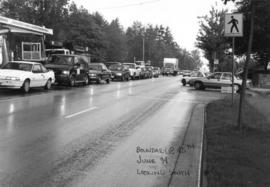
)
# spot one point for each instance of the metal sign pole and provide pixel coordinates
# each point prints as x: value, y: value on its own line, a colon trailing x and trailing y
x: 232, y: 70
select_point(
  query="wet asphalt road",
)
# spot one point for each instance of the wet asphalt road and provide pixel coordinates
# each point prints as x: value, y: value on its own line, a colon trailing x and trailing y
x: 90, y: 136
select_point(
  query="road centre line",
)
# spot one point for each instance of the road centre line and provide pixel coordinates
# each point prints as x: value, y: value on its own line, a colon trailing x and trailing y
x: 81, y: 112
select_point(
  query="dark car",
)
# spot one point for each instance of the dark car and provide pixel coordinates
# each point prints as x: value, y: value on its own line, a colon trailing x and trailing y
x: 186, y: 73
x: 149, y: 70
x: 145, y: 74
x: 119, y: 72
x: 156, y: 71
x: 99, y: 72
x: 69, y: 69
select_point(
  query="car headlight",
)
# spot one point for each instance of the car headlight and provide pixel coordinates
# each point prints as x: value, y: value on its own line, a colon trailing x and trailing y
x: 13, y: 78
x: 92, y: 74
x: 65, y: 72
x: 120, y: 74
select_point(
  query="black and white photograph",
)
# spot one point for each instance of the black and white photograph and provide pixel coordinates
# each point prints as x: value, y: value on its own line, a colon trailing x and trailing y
x: 134, y: 93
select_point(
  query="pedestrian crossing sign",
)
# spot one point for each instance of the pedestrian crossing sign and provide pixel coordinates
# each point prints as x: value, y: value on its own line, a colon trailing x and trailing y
x: 233, y: 25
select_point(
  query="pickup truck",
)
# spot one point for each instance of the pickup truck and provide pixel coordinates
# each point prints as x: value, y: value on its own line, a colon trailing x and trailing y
x: 134, y: 70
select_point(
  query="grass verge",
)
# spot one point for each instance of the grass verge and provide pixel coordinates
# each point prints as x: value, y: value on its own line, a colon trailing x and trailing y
x: 236, y: 158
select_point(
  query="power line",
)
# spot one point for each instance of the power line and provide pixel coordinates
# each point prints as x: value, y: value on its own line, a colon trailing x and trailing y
x: 131, y: 5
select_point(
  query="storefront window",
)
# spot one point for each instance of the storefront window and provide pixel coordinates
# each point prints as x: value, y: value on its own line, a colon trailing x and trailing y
x: 31, y: 51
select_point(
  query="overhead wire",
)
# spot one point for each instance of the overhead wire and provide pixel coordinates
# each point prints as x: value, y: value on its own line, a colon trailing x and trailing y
x: 131, y: 5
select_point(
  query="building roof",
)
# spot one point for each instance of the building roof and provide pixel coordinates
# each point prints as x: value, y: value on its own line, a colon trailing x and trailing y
x: 12, y: 25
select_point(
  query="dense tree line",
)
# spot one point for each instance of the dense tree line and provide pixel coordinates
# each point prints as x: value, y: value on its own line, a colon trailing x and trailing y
x: 106, y: 41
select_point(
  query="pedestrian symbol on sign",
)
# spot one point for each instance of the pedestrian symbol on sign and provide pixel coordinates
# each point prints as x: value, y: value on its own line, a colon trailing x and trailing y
x: 234, y: 23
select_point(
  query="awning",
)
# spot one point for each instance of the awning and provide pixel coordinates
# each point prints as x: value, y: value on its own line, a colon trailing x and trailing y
x: 22, y: 27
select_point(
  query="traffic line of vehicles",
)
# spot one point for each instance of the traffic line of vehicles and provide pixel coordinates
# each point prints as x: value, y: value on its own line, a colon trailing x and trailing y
x: 69, y: 69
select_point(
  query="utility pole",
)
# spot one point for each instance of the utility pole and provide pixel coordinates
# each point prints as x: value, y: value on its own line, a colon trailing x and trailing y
x: 243, y: 90
x: 143, y: 50
x: 233, y: 70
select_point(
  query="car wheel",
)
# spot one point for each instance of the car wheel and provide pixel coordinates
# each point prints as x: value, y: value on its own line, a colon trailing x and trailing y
x: 184, y: 82
x: 108, y: 81
x: 98, y: 80
x: 198, y: 85
x: 86, y: 80
x: 48, y: 84
x: 26, y: 86
x: 127, y: 77
x: 72, y: 81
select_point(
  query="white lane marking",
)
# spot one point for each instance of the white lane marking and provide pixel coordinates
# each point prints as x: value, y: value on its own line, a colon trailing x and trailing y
x: 81, y: 112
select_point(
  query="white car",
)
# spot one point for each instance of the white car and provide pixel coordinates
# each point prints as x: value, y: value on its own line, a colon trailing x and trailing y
x: 190, y: 79
x: 218, y: 80
x: 25, y: 75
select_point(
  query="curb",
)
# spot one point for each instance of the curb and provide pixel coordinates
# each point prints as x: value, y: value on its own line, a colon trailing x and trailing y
x: 203, y: 182
x: 192, y: 160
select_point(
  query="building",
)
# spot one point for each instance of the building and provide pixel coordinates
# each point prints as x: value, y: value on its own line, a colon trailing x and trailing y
x: 21, y: 41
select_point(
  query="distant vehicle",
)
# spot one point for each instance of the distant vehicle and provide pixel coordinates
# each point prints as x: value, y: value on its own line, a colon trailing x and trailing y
x: 69, y: 69
x: 170, y: 66
x: 149, y: 70
x: 134, y: 70
x: 140, y: 63
x: 25, y: 75
x: 99, y: 72
x: 190, y: 79
x: 156, y: 71
x: 144, y: 73
x: 108, y: 64
x: 218, y: 80
x: 186, y: 73
x: 50, y: 52
x: 119, y: 72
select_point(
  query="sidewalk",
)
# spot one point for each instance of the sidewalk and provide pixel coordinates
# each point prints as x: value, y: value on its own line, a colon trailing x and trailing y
x: 259, y: 91
x: 260, y: 100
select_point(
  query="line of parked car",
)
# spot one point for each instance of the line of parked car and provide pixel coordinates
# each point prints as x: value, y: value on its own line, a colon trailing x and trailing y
x: 200, y: 80
x: 69, y: 70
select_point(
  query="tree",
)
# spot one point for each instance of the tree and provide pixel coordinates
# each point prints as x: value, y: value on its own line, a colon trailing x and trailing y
x: 210, y: 38
x: 49, y: 13
x: 261, y: 39
x: 115, y: 36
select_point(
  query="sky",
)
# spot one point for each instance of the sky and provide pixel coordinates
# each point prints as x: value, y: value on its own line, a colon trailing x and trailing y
x: 181, y: 16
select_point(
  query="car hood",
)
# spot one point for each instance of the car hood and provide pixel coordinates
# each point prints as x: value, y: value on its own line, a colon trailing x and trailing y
x: 58, y: 67
x: 116, y: 71
x: 13, y: 73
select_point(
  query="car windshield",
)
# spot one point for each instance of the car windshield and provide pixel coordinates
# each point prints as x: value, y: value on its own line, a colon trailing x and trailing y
x: 169, y: 65
x: 116, y: 67
x: 130, y: 65
x: 61, y: 60
x: 18, y: 66
x: 94, y: 67
x: 156, y: 68
x: 196, y: 74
